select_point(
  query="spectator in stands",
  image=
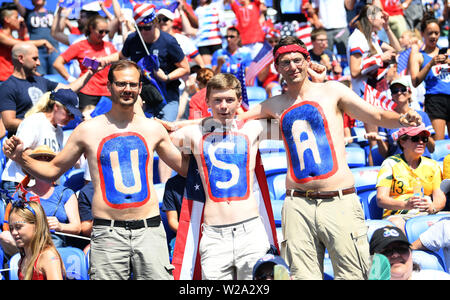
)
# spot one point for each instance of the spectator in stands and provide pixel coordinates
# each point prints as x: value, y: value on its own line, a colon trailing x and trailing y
x: 333, y: 18
x: 392, y: 243
x: 230, y: 59
x: 198, y: 108
x: 402, y: 177
x: 39, y: 259
x: 10, y: 23
x: 39, y: 21
x: 42, y: 125
x: 115, y: 203
x: 268, y: 76
x: 24, y: 88
x: 92, y: 47
x: 386, y: 138
x: 413, y: 13
x: 394, y: 8
x: 85, y: 208
x: 60, y: 203
x: 436, y: 237
x: 368, y: 56
x: 320, y: 52
x: 209, y: 38
x: 429, y: 66
x: 264, y: 267
x: 321, y: 128
x: 173, y: 197
x: 445, y: 185
x: 248, y: 24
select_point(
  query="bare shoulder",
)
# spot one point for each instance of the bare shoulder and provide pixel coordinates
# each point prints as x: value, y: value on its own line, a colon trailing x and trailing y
x: 49, y: 255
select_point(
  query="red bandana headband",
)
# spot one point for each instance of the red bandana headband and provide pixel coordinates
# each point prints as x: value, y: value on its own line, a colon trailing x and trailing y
x: 291, y: 48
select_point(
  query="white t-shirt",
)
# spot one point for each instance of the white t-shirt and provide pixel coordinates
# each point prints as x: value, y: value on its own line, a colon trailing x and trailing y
x: 332, y: 13
x: 34, y: 131
x: 437, y: 237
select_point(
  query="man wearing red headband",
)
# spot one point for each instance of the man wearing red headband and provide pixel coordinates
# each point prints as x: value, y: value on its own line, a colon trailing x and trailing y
x: 321, y: 209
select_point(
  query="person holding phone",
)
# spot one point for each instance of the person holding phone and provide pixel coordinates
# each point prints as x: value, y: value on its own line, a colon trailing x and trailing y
x: 430, y: 64
x: 85, y: 52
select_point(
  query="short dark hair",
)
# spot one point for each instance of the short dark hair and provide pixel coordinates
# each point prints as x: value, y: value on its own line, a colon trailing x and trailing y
x: 120, y: 65
x: 288, y: 40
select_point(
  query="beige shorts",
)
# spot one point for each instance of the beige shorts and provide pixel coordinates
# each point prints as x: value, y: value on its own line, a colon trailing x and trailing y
x: 230, y: 252
x: 312, y: 225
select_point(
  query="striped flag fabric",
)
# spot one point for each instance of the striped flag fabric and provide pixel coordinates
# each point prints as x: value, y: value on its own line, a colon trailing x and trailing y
x: 303, y: 32
x: 402, y: 62
x: 261, y: 60
x: 377, y: 98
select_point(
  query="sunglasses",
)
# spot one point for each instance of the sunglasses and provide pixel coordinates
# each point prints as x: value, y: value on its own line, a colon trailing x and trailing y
x: 103, y: 31
x: 417, y: 138
x: 399, y: 90
x: 400, y: 250
x: 146, y: 28
x: 164, y: 19
x: 229, y: 36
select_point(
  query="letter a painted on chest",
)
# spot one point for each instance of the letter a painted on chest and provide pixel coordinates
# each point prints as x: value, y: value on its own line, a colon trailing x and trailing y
x: 309, y: 145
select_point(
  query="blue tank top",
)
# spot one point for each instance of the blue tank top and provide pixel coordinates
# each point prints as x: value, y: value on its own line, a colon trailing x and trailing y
x: 437, y: 80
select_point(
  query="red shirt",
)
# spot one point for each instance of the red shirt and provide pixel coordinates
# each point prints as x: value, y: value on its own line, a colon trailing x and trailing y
x: 248, y: 22
x: 198, y: 107
x: 96, y: 86
x: 392, y: 7
x: 37, y: 275
x: 6, y: 66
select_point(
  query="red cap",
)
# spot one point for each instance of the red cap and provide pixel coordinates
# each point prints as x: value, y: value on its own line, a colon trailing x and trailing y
x: 413, y: 131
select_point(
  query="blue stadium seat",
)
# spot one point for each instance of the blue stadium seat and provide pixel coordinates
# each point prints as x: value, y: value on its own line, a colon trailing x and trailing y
x: 377, y: 158
x: 442, y: 149
x: 66, y: 135
x: 256, y: 94
x: 374, y: 225
x: 103, y: 106
x: 428, y: 260
x: 13, y: 266
x: 365, y: 178
x: 356, y: 157
x: 73, y: 179
x: 156, y: 178
x: 75, y: 263
x: 277, y: 205
x: 269, y: 146
x: 276, y: 184
x: 374, y: 212
x: 160, y: 187
x: 359, y: 132
x: 274, y: 162
x: 328, y: 272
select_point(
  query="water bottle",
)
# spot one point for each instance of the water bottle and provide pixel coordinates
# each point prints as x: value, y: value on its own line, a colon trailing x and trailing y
x: 417, y: 188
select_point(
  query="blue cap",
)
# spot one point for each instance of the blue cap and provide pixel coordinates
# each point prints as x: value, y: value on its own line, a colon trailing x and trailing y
x: 269, y: 258
x: 69, y: 99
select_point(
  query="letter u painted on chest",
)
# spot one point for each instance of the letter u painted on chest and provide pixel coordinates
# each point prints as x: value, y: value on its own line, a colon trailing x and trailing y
x: 309, y: 145
x: 225, y: 162
x: 123, y: 167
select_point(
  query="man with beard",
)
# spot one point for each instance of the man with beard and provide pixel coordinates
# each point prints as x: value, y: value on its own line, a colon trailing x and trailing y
x: 128, y: 236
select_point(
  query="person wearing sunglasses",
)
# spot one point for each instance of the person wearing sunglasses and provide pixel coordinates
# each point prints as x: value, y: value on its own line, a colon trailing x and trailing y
x: 400, y: 175
x: 392, y: 242
x: 39, y: 259
x: 92, y: 47
x: 402, y: 96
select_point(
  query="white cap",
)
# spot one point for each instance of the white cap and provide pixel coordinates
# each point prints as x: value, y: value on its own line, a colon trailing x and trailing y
x: 167, y: 13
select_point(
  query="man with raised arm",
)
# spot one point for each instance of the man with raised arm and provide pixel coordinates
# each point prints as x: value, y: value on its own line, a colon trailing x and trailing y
x: 128, y: 236
x: 321, y: 209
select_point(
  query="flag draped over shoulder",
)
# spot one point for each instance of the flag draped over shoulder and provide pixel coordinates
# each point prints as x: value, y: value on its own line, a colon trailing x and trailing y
x: 186, y: 257
x: 377, y: 98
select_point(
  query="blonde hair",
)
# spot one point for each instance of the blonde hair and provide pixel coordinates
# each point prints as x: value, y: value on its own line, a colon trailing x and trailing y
x: 45, y: 104
x: 42, y: 239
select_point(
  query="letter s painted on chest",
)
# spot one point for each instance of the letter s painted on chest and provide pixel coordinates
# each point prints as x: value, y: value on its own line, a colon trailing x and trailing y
x: 123, y: 168
x: 309, y: 145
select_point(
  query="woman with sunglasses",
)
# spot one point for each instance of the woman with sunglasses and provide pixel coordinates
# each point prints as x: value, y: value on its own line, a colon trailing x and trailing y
x: 39, y: 259
x: 430, y: 65
x: 408, y: 184
x: 92, y: 47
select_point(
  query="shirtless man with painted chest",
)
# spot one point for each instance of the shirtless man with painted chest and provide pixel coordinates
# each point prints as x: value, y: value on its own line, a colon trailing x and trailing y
x: 321, y: 209
x: 128, y: 236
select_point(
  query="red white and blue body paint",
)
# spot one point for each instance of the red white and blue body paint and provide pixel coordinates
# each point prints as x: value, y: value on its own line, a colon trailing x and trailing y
x: 123, y: 160
x: 308, y: 142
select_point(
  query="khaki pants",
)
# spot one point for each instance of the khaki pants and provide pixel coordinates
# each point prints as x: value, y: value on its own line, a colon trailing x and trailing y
x: 230, y: 252
x: 337, y: 224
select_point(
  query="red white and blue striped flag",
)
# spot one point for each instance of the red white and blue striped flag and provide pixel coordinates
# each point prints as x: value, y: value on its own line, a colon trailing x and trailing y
x: 377, y: 98
x: 261, y: 60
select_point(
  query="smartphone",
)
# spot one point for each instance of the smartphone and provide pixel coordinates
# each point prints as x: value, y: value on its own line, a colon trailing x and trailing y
x: 88, y: 62
x: 443, y: 51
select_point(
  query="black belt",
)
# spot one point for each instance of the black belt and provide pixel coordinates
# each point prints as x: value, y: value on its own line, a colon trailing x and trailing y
x: 319, y: 194
x: 132, y: 224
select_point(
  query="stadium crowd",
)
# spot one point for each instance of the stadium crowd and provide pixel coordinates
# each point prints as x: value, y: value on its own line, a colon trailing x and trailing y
x: 91, y: 82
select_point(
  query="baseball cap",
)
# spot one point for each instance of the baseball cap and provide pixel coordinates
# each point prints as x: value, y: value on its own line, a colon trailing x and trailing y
x: 402, y: 80
x: 384, y: 236
x: 69, y: 99
x: 43, y: 152
x: 413, y: 131
x: 167, y: 13
x: 269, y: 258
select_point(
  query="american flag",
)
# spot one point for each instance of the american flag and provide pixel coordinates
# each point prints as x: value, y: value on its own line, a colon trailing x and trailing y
x: 402, y: 62
x: 241, y: 77
x: 377, y: 98
x: 261, y: 60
